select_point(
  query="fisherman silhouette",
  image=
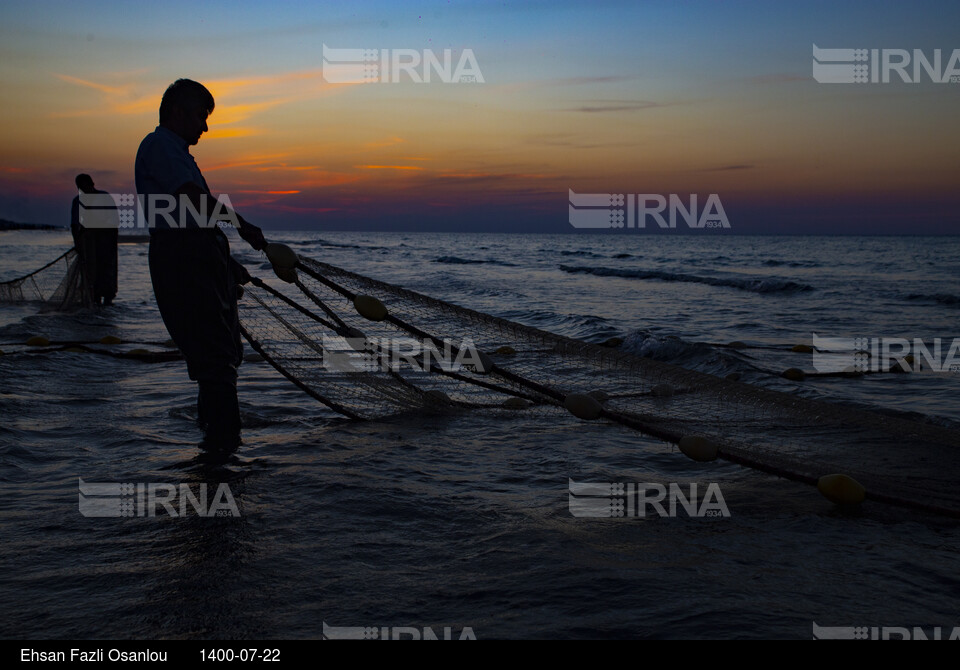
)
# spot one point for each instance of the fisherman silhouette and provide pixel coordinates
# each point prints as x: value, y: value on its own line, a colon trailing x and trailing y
x: 195, y: 279
x: 95, y: 225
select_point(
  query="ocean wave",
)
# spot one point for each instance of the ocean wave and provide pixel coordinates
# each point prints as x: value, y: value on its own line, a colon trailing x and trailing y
x: 456, y: 260
x: 658, y: 347
x: 692, y: 355
x: 758, y: 285
x: 580, y: 252
x: 939, y: 298
x: 327, y: 243
x: 587, y: 327
x: 773, y: 263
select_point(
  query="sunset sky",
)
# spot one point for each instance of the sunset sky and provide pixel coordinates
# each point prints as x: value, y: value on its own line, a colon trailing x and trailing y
x: 608, y: 97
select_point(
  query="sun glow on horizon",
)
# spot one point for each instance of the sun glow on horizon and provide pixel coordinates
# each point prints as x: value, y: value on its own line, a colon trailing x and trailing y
x: 680, y: 109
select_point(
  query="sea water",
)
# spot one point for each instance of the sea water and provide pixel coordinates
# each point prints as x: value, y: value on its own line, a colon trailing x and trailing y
x: 463, y: 521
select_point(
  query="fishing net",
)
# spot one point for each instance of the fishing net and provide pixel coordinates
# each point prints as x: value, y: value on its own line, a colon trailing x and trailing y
x: 313, y: 333
x: 57, y: 284
x: 369, y: 350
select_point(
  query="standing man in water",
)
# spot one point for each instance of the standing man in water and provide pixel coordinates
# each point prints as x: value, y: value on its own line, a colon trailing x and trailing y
x: 195, y: 279
x: 95, y: 225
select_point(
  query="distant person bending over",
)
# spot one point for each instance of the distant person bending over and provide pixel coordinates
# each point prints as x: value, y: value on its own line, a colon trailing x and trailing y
x: 95, y: 225
x: 195, y: 279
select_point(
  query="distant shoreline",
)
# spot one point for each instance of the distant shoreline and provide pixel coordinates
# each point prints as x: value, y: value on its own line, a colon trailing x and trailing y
x: 13, y: 225
x: 143, y: 236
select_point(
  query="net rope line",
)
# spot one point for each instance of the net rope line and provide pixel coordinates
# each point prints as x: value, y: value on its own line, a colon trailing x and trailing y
x: 367, y: 394
x: 339, y: 328
x: 771, y: 431
x: 321, y: 354
x: 417, y: 332
x: 385, y: 353
x: 454, y: 378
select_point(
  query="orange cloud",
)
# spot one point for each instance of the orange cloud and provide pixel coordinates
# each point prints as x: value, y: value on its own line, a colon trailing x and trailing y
x: 228, y: 87
x: 227, y: 114
x: 262, y: 162
x: 222, y: 133
x: 325, y: 179
x: 389, y: 167
x: 283, y: 167
x: 103, y: 88
x: 118, y: 98
x: 269, y: 192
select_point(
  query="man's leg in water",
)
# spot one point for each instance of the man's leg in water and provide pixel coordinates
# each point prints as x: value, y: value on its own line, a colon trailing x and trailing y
x: 196, y: 294
x: 106, y: 287
x: 221, y: 412
x: 87, y: 251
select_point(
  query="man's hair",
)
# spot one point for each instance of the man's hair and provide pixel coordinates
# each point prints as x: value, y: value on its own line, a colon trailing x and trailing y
x: 83, y: 179
x: 184, y: 93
